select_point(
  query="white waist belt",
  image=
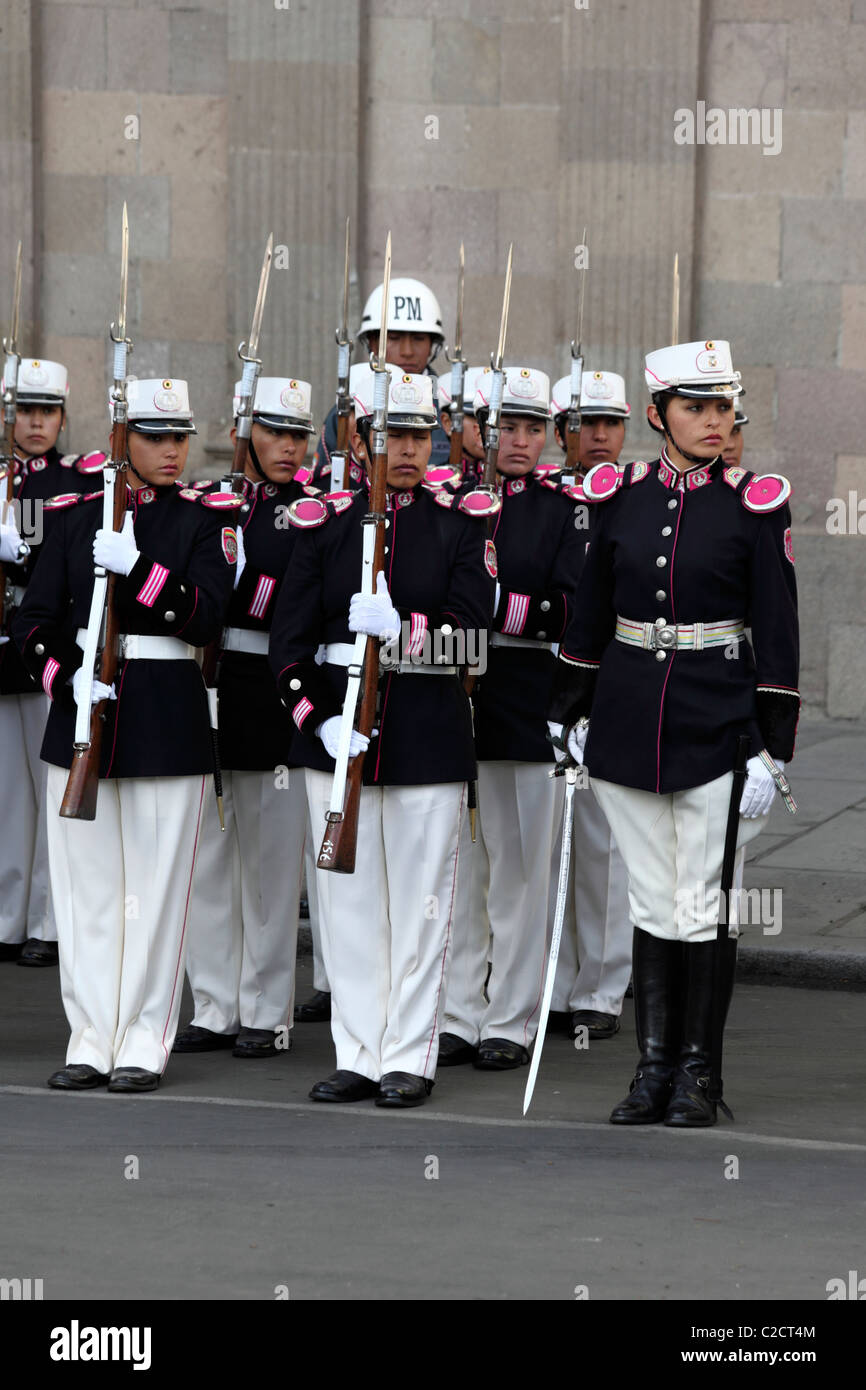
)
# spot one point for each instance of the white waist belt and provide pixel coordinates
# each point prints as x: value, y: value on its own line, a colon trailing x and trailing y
x: 502, y: 639
x: 134, y: 646
x: 241, y: 639
x: 342, y: 654
x: 687, y: 637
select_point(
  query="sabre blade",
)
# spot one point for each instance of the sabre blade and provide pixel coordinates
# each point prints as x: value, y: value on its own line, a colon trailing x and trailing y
x: 556, y: 935
x: 124, y: 273
x: 461, y: 274
x: 255, y: 330
x: 12, y: 349
x: 580, y: 306
x: 675, y: 302
x: 382, y: 349
x: 344, y: 326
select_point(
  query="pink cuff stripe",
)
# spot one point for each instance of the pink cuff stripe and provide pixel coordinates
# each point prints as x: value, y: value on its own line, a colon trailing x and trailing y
x: 152, y: 586
x: 418, y: 632
x: 301, y: 710
x: 516, y: 614
x: 49, y: 672
x: 262, y: 596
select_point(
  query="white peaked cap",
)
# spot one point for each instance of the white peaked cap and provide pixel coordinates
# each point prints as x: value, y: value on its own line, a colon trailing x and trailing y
x: 41, y: 382
x: 157, y: 406
x: 470, y: 381
x: 601, y: 393
x: 410, y: 397
x: 280, y: 401
x: 693, y: 369
x: 527, y: 392
x: 412, y: 308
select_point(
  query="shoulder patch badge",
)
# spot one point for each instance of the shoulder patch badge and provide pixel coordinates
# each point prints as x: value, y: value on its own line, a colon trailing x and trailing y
x: 230, y: 545
x: 734, y: 476
x: 491, y: 563
x: 766, y: 493
x: 602, y: 481
x: 189, y: 494
x: 789, y: 548
x: 639, y: 471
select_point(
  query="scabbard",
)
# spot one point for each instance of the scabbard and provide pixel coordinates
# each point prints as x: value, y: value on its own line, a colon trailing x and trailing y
x: 728, y: 861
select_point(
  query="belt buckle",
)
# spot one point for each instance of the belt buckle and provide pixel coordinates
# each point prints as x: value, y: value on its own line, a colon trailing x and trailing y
x: 665, y: 638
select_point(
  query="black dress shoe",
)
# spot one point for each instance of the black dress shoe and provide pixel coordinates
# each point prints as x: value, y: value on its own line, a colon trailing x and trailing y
x: 345, y: 1086
x: 316, y: 1010
x: 500, y: 1054
x: 36, y: 952
x: 647, y: 1099
x: 195, y: 1039
x: 399, y: 1090
x: 10, y: 950
x: 77, y: 1077
x: 559, y: 1022
x: 455, y: 1051
x: 259, y: 1042
x: 597, y: 1025
x: 132, y: 1080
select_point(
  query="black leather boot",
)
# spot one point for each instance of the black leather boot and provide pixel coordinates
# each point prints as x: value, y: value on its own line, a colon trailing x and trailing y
x: 691, y: 1105
x: 657, y: 964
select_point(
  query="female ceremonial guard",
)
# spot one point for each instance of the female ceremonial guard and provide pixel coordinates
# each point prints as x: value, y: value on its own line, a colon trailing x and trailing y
x: 684, y: 554
x: 386, y: 927
x: 121, y: 882
x: 472, y: 463
x: 244, y: 912
x: 40, y: 472
x: 538, y: 549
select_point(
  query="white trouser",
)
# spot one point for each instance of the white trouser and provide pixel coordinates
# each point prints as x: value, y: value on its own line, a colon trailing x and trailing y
x: 25, y: 892
x: 311, y: 854
x: 595, y: 948
x: 510, y: 869
x: 243, y: 934
x: 386, y: 928
x: 673, y: 846
x: 122, y: 886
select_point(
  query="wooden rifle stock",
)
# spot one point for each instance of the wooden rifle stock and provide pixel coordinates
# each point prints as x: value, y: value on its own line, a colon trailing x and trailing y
x: 82, y: 785
x: 455, y: 453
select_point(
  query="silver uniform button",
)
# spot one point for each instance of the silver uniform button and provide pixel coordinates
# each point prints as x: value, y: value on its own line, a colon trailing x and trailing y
x: 666, y: 530
x: 245, y: 507
x: 673, y: 503
x: 39, y: 649
x: 446, y: 629
x: 544, y: 606
x: 660, y: 656
x: 660, y: 622
x: 661, y: 595
x: 661, y: 562
x: 170, y: 615
x: 295, y: 684
x: 541, y: 636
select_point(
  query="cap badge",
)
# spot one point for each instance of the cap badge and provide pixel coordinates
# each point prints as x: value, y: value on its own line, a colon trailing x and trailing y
x: 708, y: 361
x: 407, y: 393
x: 35, y: 374
x: 598, y: 389
x: 524, y: 386
x: 166, y: 399
x: 291, y: 396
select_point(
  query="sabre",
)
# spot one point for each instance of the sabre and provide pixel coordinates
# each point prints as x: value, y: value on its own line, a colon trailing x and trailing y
x: 10, y: 383
x: 79, y: 799
x: 714, y: 1091
x: 344, y: 402
x: 574, y: 417
x: 675, y: 302
x: 458, y: 372
x: 341, y: 835
x: 569, y: 771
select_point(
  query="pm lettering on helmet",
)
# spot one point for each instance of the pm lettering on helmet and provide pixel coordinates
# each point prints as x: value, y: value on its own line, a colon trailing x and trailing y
x: 410, y: 304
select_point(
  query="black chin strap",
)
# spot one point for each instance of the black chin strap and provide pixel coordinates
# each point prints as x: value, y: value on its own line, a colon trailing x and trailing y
x: 251, y: 452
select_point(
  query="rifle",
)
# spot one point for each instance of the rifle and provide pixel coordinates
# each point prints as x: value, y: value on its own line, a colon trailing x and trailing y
x: 10, y: 386
x: 341, y: 834
x: 79, y: 799
x: 572, y: 463
x: 458, y: 372
x: 233, y: 482
x: 344, y: 400
x: 675, y: 302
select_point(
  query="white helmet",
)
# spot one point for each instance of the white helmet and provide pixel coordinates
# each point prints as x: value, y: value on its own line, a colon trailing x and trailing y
x: 413, y: 308
x: 697, y: 370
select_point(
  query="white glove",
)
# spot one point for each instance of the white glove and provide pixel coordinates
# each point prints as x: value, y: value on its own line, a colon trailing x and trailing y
x: 115, y: 550
x: 100, y: 691
x: 577, y: 742
x: 329, y: 733
x: 242, y: 556
x: 10, y: 543
x: 759, y: 790
x: 375, y: 614
x: 556, y: 732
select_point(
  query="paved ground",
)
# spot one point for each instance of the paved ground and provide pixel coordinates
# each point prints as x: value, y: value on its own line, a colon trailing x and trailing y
x: 244, y: 1185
